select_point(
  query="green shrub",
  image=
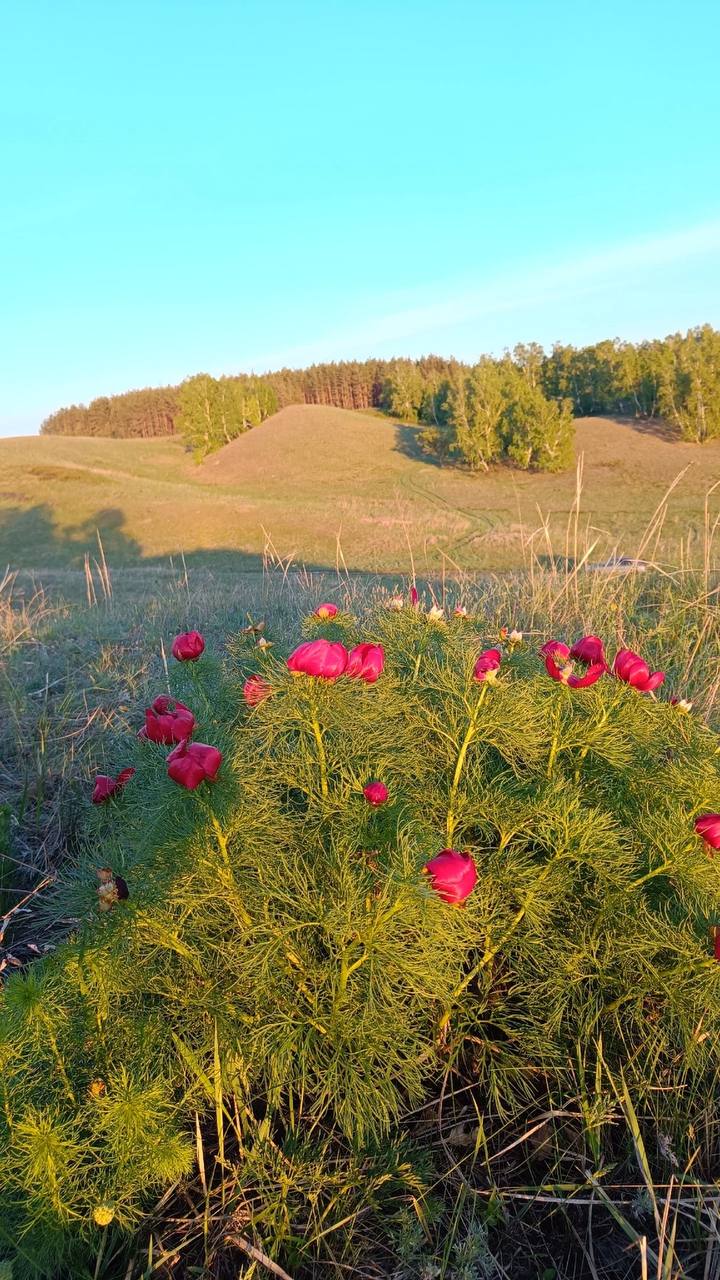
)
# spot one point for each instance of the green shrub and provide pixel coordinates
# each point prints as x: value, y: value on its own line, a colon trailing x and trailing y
x: 282, y: 957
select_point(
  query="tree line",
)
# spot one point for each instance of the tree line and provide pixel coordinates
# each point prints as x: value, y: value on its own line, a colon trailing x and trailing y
x: 518, y: 408
x: 146, y: 413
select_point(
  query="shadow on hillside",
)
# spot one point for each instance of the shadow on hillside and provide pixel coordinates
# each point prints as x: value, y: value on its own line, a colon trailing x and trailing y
x: 29, y: 539
x: 656, y: 427
x: 30, y: 535
x: 407, y: 443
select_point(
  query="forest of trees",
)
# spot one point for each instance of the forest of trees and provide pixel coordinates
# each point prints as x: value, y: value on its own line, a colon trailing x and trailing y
x: 146, y: 413
x: 213, y: 411
x: 518, y: 408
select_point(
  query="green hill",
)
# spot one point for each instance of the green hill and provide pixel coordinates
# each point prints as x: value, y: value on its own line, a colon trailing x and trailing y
x: 312, y: 475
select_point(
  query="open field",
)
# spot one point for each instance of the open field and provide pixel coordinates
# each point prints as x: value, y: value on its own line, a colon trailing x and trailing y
x: 311, y: 475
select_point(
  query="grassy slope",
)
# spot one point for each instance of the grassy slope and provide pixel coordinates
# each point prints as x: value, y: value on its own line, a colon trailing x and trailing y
x: 309, y: 473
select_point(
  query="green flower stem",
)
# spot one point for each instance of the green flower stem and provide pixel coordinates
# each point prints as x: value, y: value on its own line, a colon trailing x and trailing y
x: 658, y: 871
x: 222, y: 841
x: 295, y: 966
x: 665, y: 866
x: 227, y: 871
x: 581, y: 761
x: 490, y: 952
x: 6, y: 1101
x: 553, y: 754
x: 54, y: 1046
x: 423, y: 646
x: 469, y: 735
x: 197, y: 685
x: 346, y: 969
x: 322, y: 758
x: 615, y: 702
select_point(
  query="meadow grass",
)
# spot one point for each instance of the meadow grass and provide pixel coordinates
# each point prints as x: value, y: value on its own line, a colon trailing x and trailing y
x: 319, y: 484
x: 82, y: 649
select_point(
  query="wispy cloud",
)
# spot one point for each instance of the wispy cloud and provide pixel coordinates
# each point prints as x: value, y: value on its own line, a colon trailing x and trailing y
x: 516, y: 291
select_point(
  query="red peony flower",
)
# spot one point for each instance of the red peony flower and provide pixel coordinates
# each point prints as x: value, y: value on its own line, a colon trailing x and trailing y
x: 708, y: 828
x: 188, y: 646
x: 192, y: 763
x: 325, y: 611
x: 589, y: 649
x: 256, y: 689
x: 366, y: 662
x: 556, y: 653
x: 106, y: 787
x: 324, y: 659
x: 167, y: 721
x: 631, y: 668
x: 414, y: 597
x: 487, y: 665
x: 376, y: 793
x: 453, y: 875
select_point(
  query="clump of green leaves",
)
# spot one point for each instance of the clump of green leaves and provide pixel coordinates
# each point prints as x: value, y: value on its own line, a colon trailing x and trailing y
x: 283, y: 964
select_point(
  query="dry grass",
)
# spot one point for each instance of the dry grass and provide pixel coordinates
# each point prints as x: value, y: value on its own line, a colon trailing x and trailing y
x: 311, y: 474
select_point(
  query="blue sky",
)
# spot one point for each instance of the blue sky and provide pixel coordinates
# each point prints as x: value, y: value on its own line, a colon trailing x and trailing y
x: 213, y: 185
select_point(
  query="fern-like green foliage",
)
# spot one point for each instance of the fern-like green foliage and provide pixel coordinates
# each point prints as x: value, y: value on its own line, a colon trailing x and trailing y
x: 281, y: 947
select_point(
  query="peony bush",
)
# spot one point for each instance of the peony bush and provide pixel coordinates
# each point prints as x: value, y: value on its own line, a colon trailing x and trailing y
x: 319, y: 882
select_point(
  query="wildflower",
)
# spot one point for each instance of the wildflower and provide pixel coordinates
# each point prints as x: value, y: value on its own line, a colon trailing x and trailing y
x: 366, y: 662
x: 714, y: 932
x: 376, y: 793
x: 436, y: 613
x: 555, y: 653
x: 192, y: 763
x: 589, y: 649
x: 487, y: 665
x: 97, y: 1089
x: 111, y: 888
x: 414, y: 597
x: 707, y: 826
x: 396, y: 603
x: 682, y: 704
x: 515, y: 637
x: 325, y: 611
x: 460, y: 611
x: 188, y: 646
x: 324, y: 659
x: 167, y: 721
x: 631, y: 668
x: 256, y: 689
x: 453, y: 875
x: 103, y: 1215
x: 105, y: 787
x: 253, y: 628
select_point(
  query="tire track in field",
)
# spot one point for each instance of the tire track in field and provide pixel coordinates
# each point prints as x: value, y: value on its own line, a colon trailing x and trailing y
x: 482, y: 523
